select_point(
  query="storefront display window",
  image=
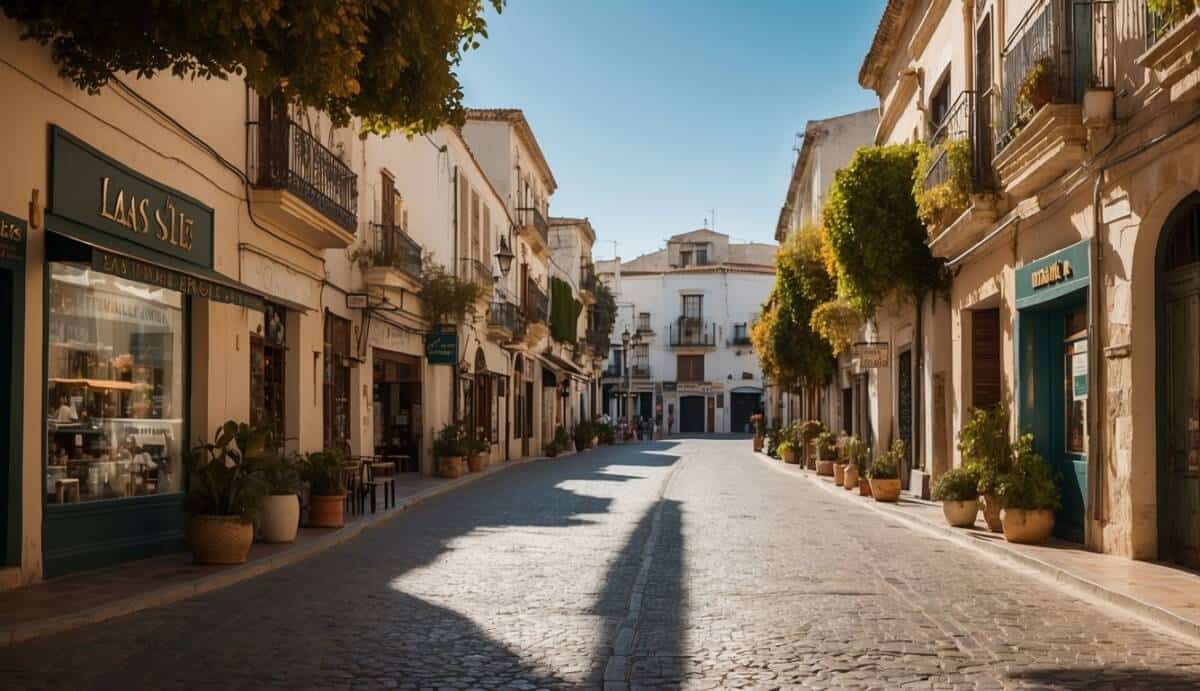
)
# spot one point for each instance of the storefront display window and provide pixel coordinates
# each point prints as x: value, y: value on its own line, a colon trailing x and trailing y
x: 397, y: 407
x: 1076, y: 381
x: 337, y: 382
x: 115, y: 387
x: 267, y: 361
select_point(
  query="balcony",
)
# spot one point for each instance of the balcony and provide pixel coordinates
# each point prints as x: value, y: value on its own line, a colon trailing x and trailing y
x: 534, y: 228
x: 962, y: 146
x: 639, y: 370
x: 741, y: 335
x: 643, y: 324
x: 536, y: 310
x: 1173, y: 49
x: 598, y: 341
x: 1059, y: 51
x: 687, y: 332
x: 297, y: 183
x: 476, y: 272
x: 505, y: 321
x: 393, y: 258
x: 587, y: 277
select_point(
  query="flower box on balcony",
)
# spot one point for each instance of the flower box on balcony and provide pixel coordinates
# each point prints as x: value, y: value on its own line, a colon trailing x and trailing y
x: 1175, y: 59
x: 1053, y: 142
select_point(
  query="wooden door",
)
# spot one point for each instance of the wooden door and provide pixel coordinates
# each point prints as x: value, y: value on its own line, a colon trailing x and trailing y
x: 904, y: 411
x: 985, y: 358
x: 1181, y: 541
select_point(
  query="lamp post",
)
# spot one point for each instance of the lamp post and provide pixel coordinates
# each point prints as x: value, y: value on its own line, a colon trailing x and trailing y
x: 625, y: 339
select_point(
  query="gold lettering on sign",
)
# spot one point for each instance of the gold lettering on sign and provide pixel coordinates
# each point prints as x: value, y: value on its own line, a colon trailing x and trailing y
x: 10, y: 231
x: 130, y: 212
x: 1050, y: 274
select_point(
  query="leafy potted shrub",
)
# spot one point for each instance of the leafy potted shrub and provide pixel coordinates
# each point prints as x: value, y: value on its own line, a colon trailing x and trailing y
x: 583, y: 435
x: 808, y: 432
x: 477, y: 449
x: 884, y: 474
x: 1038, y: 86
x: 1029, y: 494
x: 826, y: 451
x: 449, y: 448
x: 958, y: 490
x: 854, y: 451
x: 562, y: 439
x: 787, y: 452
x: 757, y: 421
x: 224, y: 497
x: 322, y: 471
x: 987, y: 449
x: 279, y: 519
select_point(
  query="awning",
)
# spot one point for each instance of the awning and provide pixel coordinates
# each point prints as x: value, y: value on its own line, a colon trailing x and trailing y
x: 566, y: 366
x: 112, y: 255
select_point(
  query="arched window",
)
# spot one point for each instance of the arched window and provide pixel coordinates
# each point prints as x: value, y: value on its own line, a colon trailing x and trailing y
x: 1182, y: 234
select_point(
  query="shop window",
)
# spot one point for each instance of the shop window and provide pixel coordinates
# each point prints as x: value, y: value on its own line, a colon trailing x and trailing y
x: 337, y: 382
x: 396, y: 406
x: 1075, y: 368
x: 268, y: 355
x: 115, y: 387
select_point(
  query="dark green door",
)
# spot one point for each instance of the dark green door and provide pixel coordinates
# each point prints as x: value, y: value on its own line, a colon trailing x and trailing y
x: 691, y: 414
x: 1181, y: 491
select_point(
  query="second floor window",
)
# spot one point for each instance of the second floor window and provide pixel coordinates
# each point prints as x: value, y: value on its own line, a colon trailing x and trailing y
x: 685, y: 258
x: 643, y: 322
x: 689, y: 368
x: 693, y: 306
x: 939, y: 103
x: 641, y: 355
x: 739, y: 334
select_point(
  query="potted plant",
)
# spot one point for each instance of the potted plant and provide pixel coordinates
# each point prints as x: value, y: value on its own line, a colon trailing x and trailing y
x: 279, y: 519
x: 605, y: 433
x: 854, y: 450
x: 826, y: 453
x: 449, y: 448
x: 583, y: 435
x: 1038, y: 86
x: 322, y: 471
x: 476, y: 450
x: 884, y: 474
x: 562, y: 439
x: 223, y: 499
x: 987, y: 449
x: 787, y: 452
x: 757, y: 421
x: 808, y: 432
x: 958, y: 490
x: 1029, y: 494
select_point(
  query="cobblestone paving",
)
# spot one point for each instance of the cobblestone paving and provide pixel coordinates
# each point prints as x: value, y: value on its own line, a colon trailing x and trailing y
x: 726, y: 573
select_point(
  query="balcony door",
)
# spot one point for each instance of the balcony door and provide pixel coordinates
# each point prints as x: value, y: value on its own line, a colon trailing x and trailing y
x: 983, y: 102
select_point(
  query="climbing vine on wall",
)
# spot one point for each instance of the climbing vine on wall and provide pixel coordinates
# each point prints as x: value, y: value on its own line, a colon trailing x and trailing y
x: 564, y: 312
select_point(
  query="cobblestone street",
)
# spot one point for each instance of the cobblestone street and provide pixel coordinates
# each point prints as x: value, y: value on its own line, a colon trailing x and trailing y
x: 726, y: 573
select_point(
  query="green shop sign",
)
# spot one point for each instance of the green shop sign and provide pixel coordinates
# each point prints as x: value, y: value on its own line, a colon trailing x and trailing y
x: 144, y: 272
x: 441, y: 346
x: 12, y: 238
x: 92, y: 189
x: 1053, y: 276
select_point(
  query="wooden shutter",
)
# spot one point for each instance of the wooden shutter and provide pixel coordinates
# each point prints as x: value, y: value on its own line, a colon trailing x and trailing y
x: 475, y: 223
x: 690, y: 367
x: 985, y: 358
x: 487, y: 236
x: 387, y: 210
x: 464, y: 217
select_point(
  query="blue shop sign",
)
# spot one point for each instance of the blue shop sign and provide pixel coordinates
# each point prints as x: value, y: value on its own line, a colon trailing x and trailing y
x: 1053, y: 276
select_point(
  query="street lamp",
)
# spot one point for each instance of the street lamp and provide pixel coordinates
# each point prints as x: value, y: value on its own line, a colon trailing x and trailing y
x: 504, y: 256
x: 625, y: 338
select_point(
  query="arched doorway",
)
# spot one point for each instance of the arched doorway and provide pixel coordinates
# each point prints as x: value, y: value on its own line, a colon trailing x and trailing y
x: 1178, y: 487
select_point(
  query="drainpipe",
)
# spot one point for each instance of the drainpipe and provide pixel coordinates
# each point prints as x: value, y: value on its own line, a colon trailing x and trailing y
x: 454, y: 258
x: 918, y: 399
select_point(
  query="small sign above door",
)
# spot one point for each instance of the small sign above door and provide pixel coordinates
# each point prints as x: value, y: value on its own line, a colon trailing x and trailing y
x: 870, y: 354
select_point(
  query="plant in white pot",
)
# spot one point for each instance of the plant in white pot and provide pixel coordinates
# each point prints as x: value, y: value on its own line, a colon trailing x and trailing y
x: 224, y: 496
x: 1029, y: 494
x: 279, y: 519
x: 958, y: 490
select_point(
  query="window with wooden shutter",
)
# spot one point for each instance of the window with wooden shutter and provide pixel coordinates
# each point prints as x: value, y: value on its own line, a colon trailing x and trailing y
x: 985, y: 358
x: 486, y: 257
x: 464, y: 217
x: 690, y: 368
x: 475, y: 224
x: 387, y: 207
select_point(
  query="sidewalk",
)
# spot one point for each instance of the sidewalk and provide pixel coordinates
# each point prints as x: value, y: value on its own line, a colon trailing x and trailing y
x: 53, y: 606
x: 1161, y: 595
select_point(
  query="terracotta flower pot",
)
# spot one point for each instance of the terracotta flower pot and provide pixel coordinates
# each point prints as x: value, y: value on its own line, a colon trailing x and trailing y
x: 450, y: 467
x: 279, y: 518
x: 219, y: 539
x: 475, y: 463
x: 885, y: 490
x: 825, y: 468
x: 850, y: 477
x: 864, y: 487
x: 789, y: 456
x: 961, y: 514
x: 1027, y: 526
x: 839, y: 474
x: 758, y: 443
x: 991, y: 513
x: 326, y: 510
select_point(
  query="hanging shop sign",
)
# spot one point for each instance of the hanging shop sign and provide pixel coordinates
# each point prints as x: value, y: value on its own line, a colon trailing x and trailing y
x: 92, y: 189
x: 441, y: 346
x: 1052, y: 276
x: 144, y: 272
x: 871, y: 355
x: 12, y: 238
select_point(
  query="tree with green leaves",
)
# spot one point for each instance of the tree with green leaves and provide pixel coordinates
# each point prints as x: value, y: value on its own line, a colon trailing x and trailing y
x: 389, y: 62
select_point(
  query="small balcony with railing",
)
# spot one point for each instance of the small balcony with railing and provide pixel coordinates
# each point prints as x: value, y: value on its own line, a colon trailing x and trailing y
x: 534, y: 228
x: 505, y: 321
x: 296, y: 181
x: 639, y: 370
x: 587, y: 277
x: 475, y: 271
x: 391, y: 259
x: 688, y: 332
x: 1057, y: 74
x: 1173, y: 47
x: 536, y: 309
x: 740, y: 335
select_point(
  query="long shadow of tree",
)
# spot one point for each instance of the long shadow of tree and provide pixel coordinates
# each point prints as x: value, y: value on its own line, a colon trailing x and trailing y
x: 1123, y: 678
x: 370, y: 614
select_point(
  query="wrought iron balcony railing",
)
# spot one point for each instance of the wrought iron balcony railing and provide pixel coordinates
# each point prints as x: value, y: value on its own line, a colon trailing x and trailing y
x: 1059, y: 49
x: 587, y: 276
x: 537, y: 305
x: 741, y: 335
x: 599, y: 340
x: 506, y: 315
x: 967, y: 121
x: 532, y: 216
x: 476, y: 272
x: 639, y: 370
x: 688, y: 332
x: 391, y: 246
x: 612, y: 371
x: 282, y: 155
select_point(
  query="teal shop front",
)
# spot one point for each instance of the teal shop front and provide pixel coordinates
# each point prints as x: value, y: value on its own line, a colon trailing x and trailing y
x: 1052, y: 373
x: 126, y: 257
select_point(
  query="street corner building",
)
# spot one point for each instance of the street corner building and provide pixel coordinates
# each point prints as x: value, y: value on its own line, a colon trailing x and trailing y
x: 176, y: 253
x: 1075, y: 259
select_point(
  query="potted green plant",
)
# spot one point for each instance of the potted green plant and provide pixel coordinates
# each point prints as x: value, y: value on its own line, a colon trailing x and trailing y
x: 958, y: 490
x: 1038, y: 85
x: 854, y: 451
x: 449, y: 448
x: 562, y: 439
x: 279, y: 519
x: 582, y: 435
x: 1029, y: 494
x: 224, y: 497
x: 826, y: 451
x: 322, y: 471
x: 787, y: 452
x: 808, y: 432
x: 477, y: 449
x: 757, y: 421
x: 884, y: 474
x: 986, y: 448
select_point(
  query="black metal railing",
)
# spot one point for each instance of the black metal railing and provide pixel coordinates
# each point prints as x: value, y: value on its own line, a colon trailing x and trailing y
x: 599, y: 340
x: 532, y: 216
x: 507, y: 316
x: 537, y: 305
x: 687, y: 332
x: 962, y: 123
x: 587, y: 276
x: 391, y: 246
x: 476, y: 272
x: 741, y: 335
x: 282, y: 155
x: 643, y: 323
x: 1159, y: 24
x: 612, y: 371
x: 1071, y: 42
x: 639, y: 370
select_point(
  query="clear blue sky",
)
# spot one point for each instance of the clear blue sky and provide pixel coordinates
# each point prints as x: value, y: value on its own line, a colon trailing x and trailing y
x: 652, y: 113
